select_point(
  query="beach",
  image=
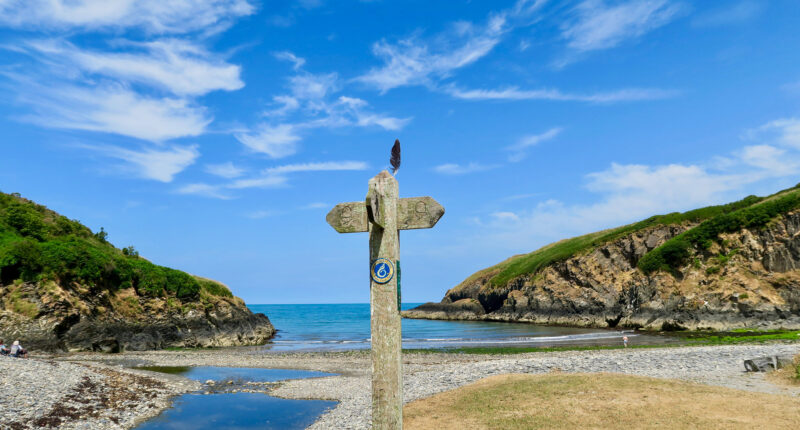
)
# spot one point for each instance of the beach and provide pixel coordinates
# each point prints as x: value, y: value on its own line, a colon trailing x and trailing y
x: 101, y: 391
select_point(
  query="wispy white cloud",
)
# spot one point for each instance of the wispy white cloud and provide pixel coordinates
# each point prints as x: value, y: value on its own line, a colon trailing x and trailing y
x: 730, y: 13
x: 629, y: 192
x: 596, y: 25
x: 111, y: 90
x: 111, y: 108
x: 504, y: 216
x: 414, y: 61
x: 310, y: 105
x: 272, y: 177
x: 204, y: 190
x: 119, y: 88
x: 277, y: 176
x: 792, y: 87
x: 315, y: 205
x: 308, y: 86
x: 286, y: 104
x: 223, y: 191
x: 316, y: 167
x: 297, y: 62
x: 225, y: 170
x: 459, y: 169
x: 275, y: 141
x: 783, y: 131
x: 261, y: 214
x: 514, y: 93
x: 160, y: 164
x: 271, y: 181
x: 153, y: 16
x: 518, y: 149
x: 179, y: 66
x: 770, y: 158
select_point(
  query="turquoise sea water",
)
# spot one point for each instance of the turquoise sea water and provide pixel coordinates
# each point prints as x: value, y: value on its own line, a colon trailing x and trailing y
x: 346, y: 326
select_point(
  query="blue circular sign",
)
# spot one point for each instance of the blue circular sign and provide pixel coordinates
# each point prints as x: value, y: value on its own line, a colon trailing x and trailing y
x: 382, y: 271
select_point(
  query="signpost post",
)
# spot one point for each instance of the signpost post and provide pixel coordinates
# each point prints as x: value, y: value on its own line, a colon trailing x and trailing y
x: 383, y: 214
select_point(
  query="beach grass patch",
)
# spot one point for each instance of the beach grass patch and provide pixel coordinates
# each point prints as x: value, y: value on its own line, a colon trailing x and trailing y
x: 578, y: 401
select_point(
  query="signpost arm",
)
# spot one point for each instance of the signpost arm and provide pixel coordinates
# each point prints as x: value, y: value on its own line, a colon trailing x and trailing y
x: 387, y: 388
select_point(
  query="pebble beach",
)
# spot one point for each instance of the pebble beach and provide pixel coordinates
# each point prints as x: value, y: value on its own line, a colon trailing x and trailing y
x: 106, y: 391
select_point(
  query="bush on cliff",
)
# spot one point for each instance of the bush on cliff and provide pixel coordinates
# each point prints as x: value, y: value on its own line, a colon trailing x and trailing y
x: 674, y: 253
x: 37, y: 244
x: 565, y: 249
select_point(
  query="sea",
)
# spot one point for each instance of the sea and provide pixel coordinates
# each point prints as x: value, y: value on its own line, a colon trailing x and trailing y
x: 326, y: 327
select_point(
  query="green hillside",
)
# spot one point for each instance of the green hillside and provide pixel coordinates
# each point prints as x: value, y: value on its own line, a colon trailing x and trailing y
x: 752, y: 211
x: 37, y: 244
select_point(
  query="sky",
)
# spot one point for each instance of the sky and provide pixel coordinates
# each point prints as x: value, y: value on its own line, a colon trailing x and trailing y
x: 215, y: 135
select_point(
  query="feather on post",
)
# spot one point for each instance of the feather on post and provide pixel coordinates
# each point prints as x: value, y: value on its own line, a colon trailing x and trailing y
x: 395, y: 160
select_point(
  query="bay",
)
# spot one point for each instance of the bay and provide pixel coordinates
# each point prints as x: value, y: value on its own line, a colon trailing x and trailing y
x: 315, y: 327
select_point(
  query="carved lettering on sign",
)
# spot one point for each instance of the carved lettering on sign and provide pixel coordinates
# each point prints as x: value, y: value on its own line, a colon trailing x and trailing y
x: 346, y: 215
x: 412, y: 213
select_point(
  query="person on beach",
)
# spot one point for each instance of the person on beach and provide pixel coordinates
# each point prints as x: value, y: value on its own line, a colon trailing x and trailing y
x: 3, y: 348
x: 18, y: 351
x: 625, y: 341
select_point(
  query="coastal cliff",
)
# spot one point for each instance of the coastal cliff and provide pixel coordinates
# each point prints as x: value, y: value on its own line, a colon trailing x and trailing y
x: 717, y: 268
x: 65, y: 288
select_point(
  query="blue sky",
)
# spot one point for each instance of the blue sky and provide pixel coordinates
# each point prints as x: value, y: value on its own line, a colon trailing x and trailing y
x: 215, y: 135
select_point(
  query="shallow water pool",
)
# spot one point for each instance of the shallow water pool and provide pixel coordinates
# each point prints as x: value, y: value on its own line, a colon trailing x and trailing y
x: 238, y: 411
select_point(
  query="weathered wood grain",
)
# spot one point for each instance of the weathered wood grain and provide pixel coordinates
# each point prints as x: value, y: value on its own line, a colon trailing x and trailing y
x: 383, y: 214
x: 412, y: 213
x: 387, y: 386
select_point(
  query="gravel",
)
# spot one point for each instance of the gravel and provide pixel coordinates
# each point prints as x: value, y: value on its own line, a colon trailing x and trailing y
x: 44, y: 393
x: 36, y: 390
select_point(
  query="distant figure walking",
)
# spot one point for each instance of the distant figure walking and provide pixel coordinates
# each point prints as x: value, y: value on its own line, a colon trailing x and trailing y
x: 625, y: 341
x: 17, y: 350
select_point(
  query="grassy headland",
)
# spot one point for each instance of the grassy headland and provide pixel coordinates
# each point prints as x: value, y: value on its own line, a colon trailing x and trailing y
x: 709, y: 222
x: 38, y: 245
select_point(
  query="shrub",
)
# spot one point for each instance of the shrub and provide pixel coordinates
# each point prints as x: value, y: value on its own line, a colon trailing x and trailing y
x: 533, y: 262
x: 36, y: 244
x: 673, y: 253
x: 101, y: 235
x: 22, y: 258
x: 214, y: 288
x: 26, y: 220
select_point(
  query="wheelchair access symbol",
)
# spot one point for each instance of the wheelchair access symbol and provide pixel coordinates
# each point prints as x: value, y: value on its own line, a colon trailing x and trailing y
x: 382, y: 271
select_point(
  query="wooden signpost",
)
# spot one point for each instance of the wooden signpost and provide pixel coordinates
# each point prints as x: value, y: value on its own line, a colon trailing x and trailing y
x: 382, y: 214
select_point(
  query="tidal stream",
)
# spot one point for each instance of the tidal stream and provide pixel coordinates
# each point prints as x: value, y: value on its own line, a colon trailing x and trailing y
x: 237, y: 410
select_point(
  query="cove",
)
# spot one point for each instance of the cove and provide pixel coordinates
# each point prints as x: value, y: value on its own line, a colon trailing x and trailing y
x: 239, y: 411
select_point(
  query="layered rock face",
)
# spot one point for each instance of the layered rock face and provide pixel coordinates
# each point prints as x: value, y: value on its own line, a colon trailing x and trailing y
x: 750, y: 278
x: 49, y: 316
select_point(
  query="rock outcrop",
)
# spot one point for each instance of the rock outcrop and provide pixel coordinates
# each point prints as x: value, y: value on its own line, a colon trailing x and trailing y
x: 64, y: 287
x: 48, y: 316
x: 749, y: 278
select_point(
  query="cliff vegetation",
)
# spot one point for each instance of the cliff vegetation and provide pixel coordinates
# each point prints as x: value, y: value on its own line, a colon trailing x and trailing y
x: 63, y: 286
x: 719, y: 267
